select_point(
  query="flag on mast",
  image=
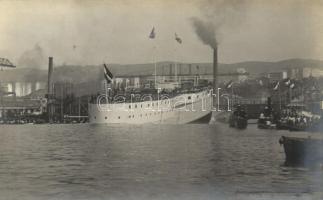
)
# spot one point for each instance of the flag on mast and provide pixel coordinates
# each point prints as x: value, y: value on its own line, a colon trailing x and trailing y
x: 287, y: 82
x: 152, y: 34
x: 107, y: 74
x: 277, y: 86
x: 229, y: 85
x: 178, y: 39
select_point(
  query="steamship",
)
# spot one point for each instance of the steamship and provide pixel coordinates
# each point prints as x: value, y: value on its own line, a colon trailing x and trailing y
x: 181, y: 107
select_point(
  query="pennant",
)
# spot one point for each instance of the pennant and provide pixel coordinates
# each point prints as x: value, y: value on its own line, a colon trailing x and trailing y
x: 287, y: 82
x: 152, y: 34
x: 229, y: 85
x: 292, y: 86
x: 178, y: 39
x: 277, y: 86
x: 261, y: 83
x: 107, y: 74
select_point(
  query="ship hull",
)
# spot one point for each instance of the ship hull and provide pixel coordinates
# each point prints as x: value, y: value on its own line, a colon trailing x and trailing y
x: 302, y: 151
x: 182, y: 109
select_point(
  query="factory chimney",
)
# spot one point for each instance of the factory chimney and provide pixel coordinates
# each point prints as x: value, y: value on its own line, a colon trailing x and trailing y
x: 215, y: 75
x: 50, y: 108
x: 50, y: 76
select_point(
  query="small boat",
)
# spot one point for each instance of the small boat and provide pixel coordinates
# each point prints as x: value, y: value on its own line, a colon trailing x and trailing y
x: 264, y: 123
x: 282, y: 124
x: 238, y: 122
x: 315, y: 126
x: 266, y: 119
x: 238, y: 119
x: 302, y: 151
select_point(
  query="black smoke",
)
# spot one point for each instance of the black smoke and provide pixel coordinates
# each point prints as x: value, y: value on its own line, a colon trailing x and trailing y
x: 205, y: 31
x: 218, y: 15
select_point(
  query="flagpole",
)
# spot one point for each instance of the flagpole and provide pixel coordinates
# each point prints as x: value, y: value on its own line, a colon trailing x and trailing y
x: 175, y: 65
x: 155, y: 65
x: 152, y: 36
x: 280, y: 99
x: 177, y: 39
x: 106, y: 91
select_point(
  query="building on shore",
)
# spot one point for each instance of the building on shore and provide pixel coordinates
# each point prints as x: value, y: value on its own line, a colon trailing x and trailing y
x: 15, y: 109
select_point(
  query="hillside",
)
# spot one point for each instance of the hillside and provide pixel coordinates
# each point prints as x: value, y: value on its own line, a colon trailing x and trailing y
x: 79, y: 74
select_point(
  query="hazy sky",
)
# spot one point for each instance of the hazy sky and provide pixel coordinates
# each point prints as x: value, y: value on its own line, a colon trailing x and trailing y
x: 92, y: 32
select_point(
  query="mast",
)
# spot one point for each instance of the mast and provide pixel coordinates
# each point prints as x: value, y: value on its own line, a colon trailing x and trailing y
x: 175, y: 67
x: 179, y: 41
x: 155, y: 65
x: 152, y: 36
x: 175, y: 73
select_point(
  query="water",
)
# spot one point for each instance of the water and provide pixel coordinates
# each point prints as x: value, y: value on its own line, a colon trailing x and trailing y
x: 149, y: 162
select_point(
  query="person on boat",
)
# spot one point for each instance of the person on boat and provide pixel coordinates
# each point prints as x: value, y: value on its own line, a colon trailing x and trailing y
x: 304, y: 120
x: 267, y: 111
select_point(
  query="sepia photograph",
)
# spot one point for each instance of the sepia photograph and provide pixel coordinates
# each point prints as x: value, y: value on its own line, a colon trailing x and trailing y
x: 161, y: 100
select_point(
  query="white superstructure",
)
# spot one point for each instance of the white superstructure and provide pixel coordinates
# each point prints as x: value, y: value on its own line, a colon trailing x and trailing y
x: 183, y: 108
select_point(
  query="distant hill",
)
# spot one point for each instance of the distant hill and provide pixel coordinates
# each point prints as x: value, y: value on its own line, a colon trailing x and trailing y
x: 80, y: 74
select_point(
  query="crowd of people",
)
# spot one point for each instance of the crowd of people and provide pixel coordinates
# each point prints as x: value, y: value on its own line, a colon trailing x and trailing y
x: 289, y: 118
x: 293, y: 117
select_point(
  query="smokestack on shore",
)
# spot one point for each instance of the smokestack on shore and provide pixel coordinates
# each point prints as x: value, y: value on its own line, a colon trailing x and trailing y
x: 215, y: 75
x: 50, y: 108
x: 50, y: 76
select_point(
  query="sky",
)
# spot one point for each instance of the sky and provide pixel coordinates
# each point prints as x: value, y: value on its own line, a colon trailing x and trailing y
x: 88, y: 32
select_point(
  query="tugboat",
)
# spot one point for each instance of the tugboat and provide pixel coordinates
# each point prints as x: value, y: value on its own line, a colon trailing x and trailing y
x: 238, y: 118
x: 266, y: 118
x: 302, y: 151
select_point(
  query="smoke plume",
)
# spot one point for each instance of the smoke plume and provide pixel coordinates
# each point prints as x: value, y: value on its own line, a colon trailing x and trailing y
x: 205, y: 31
x: 217, y: 15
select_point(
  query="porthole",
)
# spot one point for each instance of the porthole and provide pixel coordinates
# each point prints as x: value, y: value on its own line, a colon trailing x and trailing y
x: 129, y: 106
x: 119, y: 117
x: 106, y: 118
x: 135, y: 105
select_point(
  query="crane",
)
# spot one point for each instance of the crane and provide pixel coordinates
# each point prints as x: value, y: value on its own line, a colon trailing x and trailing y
x: 4, y: 62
